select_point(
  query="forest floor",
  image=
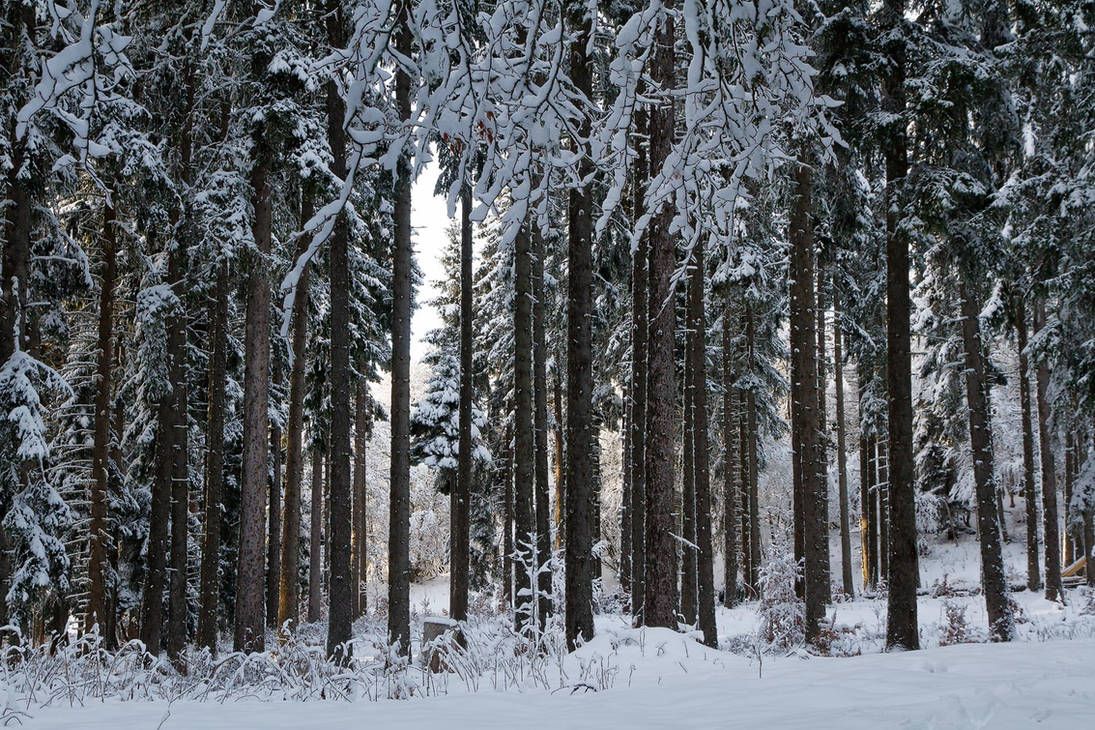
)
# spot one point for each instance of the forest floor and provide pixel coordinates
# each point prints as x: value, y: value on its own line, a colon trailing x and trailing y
x: 655, y: 678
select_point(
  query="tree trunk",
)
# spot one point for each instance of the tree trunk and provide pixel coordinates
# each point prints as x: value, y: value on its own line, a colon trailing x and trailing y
x: 523, y: 446
x: 624, y: 572
x: 560, y: 454
x: 540, y: 424
x: 214, y: 463
x: 340, y: 613
x: 1049, y: 475
x: 993, y: 581
x: 273, y: 512
x: 178, y: 611
x: 804, y: 399
x: 660, y: 602
x: 882, y: 497
x: 289, y: 580
x: 98, y: 537
x: 874, y: 534
x: 581, y: 500
x: 507, y: 517
x: 250, y: 572
x: 867, y: 547
x: 360, y: 551
x: 705, y: 580
x: 688, y: 482
x: 841, y: 455
x: 637, y: 421
x: 315, y: 539
x: 751, y: 446
x: 823, y: 425
x: 731, y: 458
x: 1070, y: 476
x: 399, y: 558
x: 901, y: 621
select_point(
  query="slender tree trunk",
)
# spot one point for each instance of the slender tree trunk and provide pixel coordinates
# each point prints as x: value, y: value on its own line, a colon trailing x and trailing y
x: 878, y: 545
x: 823, y: 426
x: 341, y: 590
x: 751, y: 445
x: 731, y: 458
x: 289, y: 579
x: 867, y: 547
x: 523, y: 445
x: 882, y: 492
x: 250, y: 572
x: 360, y: 572
x: 214, y: 463
x: 993, y: 581
x: 1054, y: 590
x: 660, y: 602
x: 1070, y: 476
x: 624, y: 572
x: 560, y: 455
x: 178, y: 611
x: 747, y: 567
x: 315, y: 539
x: 399, y: 559
x: 273, y: 532
x: 581, y: 499
x: 540, y: 425
x: 688, y: 486
x: 841, y: 455
x: 507, y: 516
x: 705, y: 580
x: 804, y: 398
x: 98, y: 537
x: 638, y: 375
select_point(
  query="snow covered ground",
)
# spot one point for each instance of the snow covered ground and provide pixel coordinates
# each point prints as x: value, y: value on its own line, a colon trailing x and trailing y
x: 677, y: 684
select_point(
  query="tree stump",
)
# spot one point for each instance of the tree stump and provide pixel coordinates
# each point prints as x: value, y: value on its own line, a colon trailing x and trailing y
x: 440, y: 635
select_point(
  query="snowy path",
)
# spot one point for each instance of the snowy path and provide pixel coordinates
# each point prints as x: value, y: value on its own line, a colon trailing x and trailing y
x: 1025, y: 685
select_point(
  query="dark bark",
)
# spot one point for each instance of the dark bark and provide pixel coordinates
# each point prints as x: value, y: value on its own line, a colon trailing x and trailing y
x: 178, y: 611
x: 458, y: 511
x: 507, y: 516
x: 315, y: 539
x: 1054, y: 590
x: 993, y: 581
x: 289, y: 579
x: 637, y: 421
x: 540, y: 424
x: 250, y: 572
x: 804, y: 408
x: 705, y: 579
x: 340, y: 614
x: 360, y: 548
x: 214, y: 463
x: 823, y: 427
x: 882, y: 497
x: 560, y: 453
x: 581, y: 499
x: 98, y: 537
x: 273, y: 516
x: 873, y: 513
x: 901, y: 621
x: 1070, y: 476
x: 688, y: 486
x: 751, y: 447
x: 841, y: 455
x: 523, y: 445
x: 624, y: 572
x: 730, y: 460
x: 399, y: 559
x: 867, y: 547
x: 660, y: 602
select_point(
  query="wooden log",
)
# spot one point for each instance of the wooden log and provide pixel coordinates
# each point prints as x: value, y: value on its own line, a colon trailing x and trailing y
x: 440, y: 636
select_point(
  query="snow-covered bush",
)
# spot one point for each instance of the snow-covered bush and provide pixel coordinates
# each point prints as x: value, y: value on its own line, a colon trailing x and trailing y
x: 782, y: 613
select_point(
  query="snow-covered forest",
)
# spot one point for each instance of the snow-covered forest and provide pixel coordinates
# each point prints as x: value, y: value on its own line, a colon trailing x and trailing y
x: 761, y: 358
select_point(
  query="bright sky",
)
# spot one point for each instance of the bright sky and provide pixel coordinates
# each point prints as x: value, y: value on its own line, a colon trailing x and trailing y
x: 429, y: 217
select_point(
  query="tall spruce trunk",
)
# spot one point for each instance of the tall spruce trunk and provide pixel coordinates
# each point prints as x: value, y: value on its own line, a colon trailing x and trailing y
x: 399, y: 516
x: 98, y: 539
x: 178, y: 610
x: 688, y: 484
x: 866, y: 547
x: 638, y: 375
x: 624, y: 571
x: 209, y: 587
x: 804, y: 404
x: 340, y: 612
x: 315, y: 538
x: 273, y: 512
x: 660, y: 590
x: 523, y: 444
x: 251, y: 567
x: 993, y: 581
x: 730, y: 460
x: 289, y: 580
x: 458, y: 514
x: 1051, y: 529
x: 823, y: 425
x: 507, y: 516
x: 751, y: 447
x: 542, y: 493
x: 360, y: 572
x: 901, y: 621
x: 705, y: 578
x: 841, y: 455
x: 1071, y: 534
x: 581, y: 499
